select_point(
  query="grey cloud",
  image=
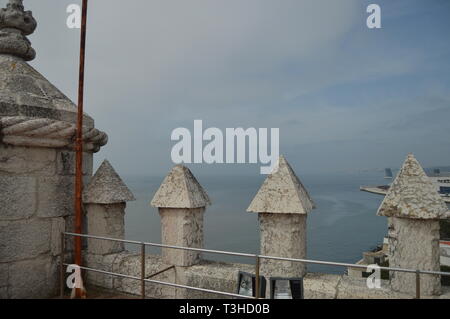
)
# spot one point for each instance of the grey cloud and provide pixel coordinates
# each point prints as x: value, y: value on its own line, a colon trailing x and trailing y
x: 156, y: 65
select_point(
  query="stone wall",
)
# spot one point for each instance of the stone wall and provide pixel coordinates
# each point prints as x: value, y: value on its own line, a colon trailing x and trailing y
x: 283, y: 235
x: 222, y: 276
x: 181, y: 227
x: 413, y: 243
x: 36, y: 205
x: 409, y: 239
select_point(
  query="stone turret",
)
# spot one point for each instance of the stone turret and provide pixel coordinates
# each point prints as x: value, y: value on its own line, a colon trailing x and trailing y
x: 414, y: 209
x: 37, y: 128
x: 105, y: 200
x: 282, y: 204
x: 181, y: 202
x: 15, y: 25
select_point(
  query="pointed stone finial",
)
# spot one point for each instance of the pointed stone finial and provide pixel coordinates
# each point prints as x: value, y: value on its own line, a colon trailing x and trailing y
x: 15, y: 25
x: 180, y: 189
x: 282, y: 192
x: 106, y: 187
x: 413, y: 195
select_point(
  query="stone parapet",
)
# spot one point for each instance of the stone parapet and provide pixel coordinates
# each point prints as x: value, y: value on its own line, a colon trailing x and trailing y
x: 130, y: 264
x: 223, y: 277
x: 282, y: 204
x: 414, y: 209
x: 181, y: 202
x: 105, y: 200
x: 283, y: 236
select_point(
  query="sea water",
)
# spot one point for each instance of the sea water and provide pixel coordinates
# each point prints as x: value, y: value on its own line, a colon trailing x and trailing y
x: 340, y: 229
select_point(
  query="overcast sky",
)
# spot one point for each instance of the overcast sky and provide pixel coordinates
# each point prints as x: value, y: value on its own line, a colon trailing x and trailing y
x: 344, y: 96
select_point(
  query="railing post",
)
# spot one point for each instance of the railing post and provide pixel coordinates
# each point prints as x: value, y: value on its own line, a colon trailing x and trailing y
x: 257, y: 283
x: 143, y: 271
x: 417, y: 284
x: 61, y: 270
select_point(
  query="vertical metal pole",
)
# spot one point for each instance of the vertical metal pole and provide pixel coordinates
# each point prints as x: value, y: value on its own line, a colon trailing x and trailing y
x: 417, y: 284
x: 79, y: 144
x: 61, y: 270
x: 143, y: 271
x: 257, y: 283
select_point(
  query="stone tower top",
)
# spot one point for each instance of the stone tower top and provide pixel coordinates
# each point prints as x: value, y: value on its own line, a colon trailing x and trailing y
x: 413, y: 195
x: 33, y: 112
x: 180, y: 189
x: 106, y: 187
x: 15, y: 25
x: 282, y: 192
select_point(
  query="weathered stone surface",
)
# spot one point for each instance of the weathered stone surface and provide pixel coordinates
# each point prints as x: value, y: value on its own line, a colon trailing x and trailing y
x: 356, y: 288
x: 130, y: 264
x: 210, y: 275
x: 180, y: 189
x: 223, y: 277
x: 107, y: 221
x: 282, y: 235
x: 160, y: 291
x: 47, y: 133
x: 413, y: 195
x: 56, y: 195
x: 3, y: 274
x: 414, y: 244
x: 15, y: 17
x: 106, y: 187
x: 70, y: 227
x: 65, y: 163
x: 414, y: 208
x: 32, y: 94
x: 153, y: 264
x: 15, y: 25
x: 445, y: 294
x: 24, y: 239
x: 58, y: 226
x: 17, y: 197
x: 24, y: 84
x: 321, y: 286
x: 35, y: 278
x: 110, y: 263
x: 181, y: 227
x: 24, y: 160
x: 282, y: 192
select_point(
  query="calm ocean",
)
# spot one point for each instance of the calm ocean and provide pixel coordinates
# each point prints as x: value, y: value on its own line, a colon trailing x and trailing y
x: 343, y: 225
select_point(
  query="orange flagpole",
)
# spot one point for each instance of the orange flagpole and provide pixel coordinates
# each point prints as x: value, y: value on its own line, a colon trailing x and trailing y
x: 79, y: 145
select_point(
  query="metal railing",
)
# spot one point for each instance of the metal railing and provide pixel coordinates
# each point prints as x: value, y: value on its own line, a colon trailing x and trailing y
x: 257, y: 258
